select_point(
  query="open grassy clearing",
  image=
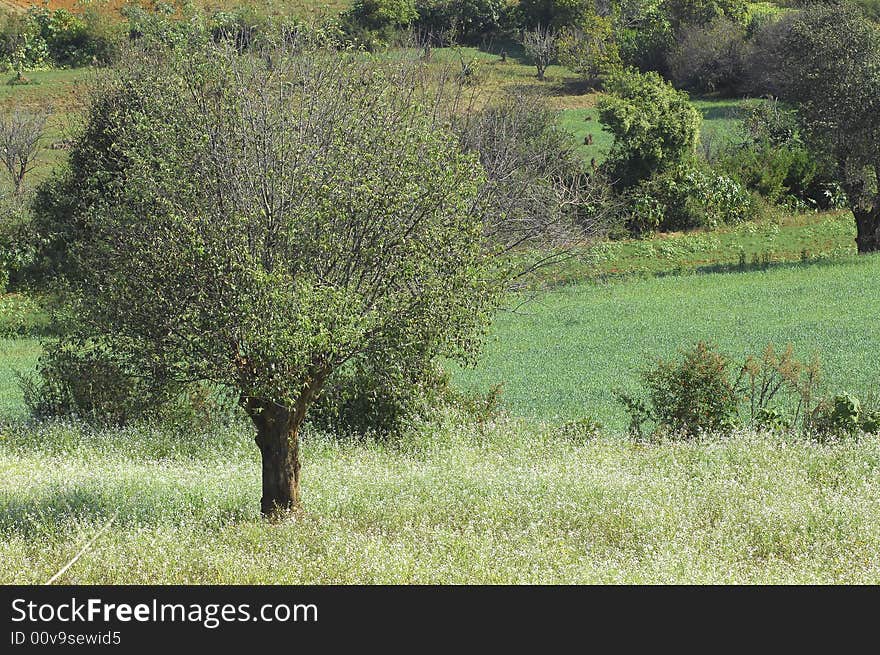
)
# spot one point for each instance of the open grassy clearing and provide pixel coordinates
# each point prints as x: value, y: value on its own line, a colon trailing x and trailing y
x: 560, y: 356
x: 514, y: 504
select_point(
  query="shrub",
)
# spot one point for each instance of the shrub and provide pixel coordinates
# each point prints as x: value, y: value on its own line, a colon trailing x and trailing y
x: 773, y: 377
x: 589, y: 48
x: 87, y: 382
x: 375, y: 23
x: 379, y: 398
x: 686, y: 397
x: 686, y: 197
x: 838, y: 417
x: 44, y: 37
x: 654, y: 126
x: 555, y: 14
x: 698, y: 393
x: 645, y: 40
x: 771, y: 158
x: 465, y: 20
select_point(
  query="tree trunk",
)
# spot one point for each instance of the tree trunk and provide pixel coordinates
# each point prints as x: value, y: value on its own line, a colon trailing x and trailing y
x: 278, y: 440
x: 867, y: 229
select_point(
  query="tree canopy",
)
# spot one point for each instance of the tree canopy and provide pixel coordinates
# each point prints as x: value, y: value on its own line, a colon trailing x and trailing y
x: 829, y: 65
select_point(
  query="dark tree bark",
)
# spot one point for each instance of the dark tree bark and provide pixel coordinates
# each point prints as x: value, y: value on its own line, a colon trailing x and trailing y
x: 278, y: 441
x: 868, y: 229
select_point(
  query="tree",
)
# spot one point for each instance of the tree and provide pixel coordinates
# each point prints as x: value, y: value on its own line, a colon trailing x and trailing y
x: 20, y: 136
x: 555, y: 14
x: 540, y: 44
x: 258, y: 220
x: 830, y: 67
x: 702, y: 12
x: 710, y: 58
x: 589, y: 48
x: 654, y: 126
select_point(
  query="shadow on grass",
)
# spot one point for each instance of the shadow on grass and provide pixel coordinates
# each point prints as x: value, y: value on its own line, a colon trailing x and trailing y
x: 56, y: 509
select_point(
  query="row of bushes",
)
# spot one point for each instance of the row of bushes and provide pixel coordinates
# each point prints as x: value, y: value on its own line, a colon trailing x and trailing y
x: 698, y: 393
x: 702, y: 392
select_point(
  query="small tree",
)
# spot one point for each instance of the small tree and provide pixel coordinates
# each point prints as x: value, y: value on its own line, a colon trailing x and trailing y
x: 259, y: 220
x: 654, y: 126
x: 589, y: 48
x: 540, y: 45
x: 830, y: 66
x: 20, y: 135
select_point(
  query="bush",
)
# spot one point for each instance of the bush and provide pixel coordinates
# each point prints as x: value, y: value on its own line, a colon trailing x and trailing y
x: 771, y: 159
x: 375, y: 23
x: 87, y: 382
x: 838, y: 417
x: 686, y: 397
x: 646, y: 41
x: 555, y: 14
x: 44, y: 37
x: 655, y: 127
x: 686, y: 197
x: 379, y: 398
x: 589, y: 49
x: 698, y: 393
x: 464, y: 20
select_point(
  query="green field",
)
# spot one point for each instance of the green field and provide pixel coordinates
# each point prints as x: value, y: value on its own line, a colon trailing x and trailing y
x: 560, y: 356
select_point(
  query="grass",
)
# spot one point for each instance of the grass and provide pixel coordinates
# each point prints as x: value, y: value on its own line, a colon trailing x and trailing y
x: 560, y: 356
x: 514, y: 504
x: 16, y: 355
x: 808, y: 237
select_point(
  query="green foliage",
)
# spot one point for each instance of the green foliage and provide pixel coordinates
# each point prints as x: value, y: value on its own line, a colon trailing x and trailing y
x: 685, y: 197
x: 644, y: 36
x: 464, y: 20
x: 771, y: 158
x: 589, y: 49
x: 654, y: 126
x: 369, y: 238
x: 582, y: 429
x: 555, y: 14
x: 778, y: 377
x: 682, y: 13
x: 710, y: 58
x: 44, y: 37
x: 90, y: 383
x: 829, y: 64
x: 699, y: 393
x: 379, y: 398
x: 685, y: 397
x: 374, y: 23
x: 838, y: 417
